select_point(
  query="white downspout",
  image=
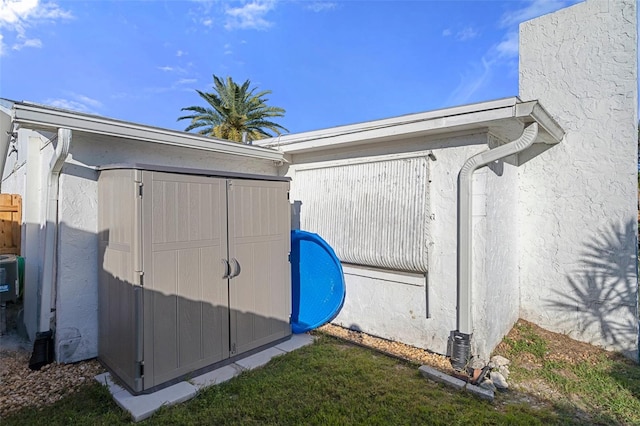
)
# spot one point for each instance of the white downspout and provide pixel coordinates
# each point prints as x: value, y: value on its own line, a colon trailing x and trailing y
x: 465, y: 193
x: 51, y: 230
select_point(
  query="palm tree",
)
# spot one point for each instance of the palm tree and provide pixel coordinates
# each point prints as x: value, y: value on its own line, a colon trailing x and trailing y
x: 232, y: 111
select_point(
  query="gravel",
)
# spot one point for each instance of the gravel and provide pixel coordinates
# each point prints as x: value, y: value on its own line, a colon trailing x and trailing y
x: 396, y: 349
x: 21, y: 387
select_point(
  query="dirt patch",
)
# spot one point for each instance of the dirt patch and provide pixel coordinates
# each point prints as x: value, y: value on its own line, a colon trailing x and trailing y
x: 560, y: 347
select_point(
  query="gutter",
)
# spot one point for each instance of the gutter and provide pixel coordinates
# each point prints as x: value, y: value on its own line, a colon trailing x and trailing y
x: 49, y: 272
x: 41, y: 117
x: 494, y: 116
x: 460, y: 344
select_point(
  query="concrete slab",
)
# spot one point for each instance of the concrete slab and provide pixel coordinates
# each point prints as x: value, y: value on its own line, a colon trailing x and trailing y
x: 105, y: 379
x: 143, y: 406
x: 259, y: 359
x: 297, y: 341
x: 216, y: 377
x: 480, y: 392
x: 440, y: 377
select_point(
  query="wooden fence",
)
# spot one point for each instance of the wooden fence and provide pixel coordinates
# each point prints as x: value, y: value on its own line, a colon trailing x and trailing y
x: 10, y: 223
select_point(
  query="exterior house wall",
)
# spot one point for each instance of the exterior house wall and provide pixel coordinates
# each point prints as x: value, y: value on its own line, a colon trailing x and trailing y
x: 421, y: 309
x: 15, y: 170
x: 495, y: 287
x: 578, y: 201
x: 25, y: 174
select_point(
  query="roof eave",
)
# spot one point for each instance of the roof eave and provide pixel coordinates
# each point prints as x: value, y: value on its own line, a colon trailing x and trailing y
x: 468, y: 117
x: 40, y: 117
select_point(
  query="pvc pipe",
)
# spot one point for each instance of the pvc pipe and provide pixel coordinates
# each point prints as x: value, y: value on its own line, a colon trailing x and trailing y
x: 51, y: 230
x: 465, y: 215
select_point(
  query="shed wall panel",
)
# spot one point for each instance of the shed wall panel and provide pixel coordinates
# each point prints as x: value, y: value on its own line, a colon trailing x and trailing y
x: 186, y: 299
x: 117, y: 302
x: 259, y: 240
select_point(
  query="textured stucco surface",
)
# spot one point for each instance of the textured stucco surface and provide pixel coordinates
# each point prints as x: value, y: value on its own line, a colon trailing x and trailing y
x: 392, y: 306
x: 495, y: 287
x: 577, y: 204
x: 14, y: 177
x: 24, y: 174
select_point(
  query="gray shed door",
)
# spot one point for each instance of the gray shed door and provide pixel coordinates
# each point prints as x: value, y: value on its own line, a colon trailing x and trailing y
x: 184, y: 233
x: 259, y: 242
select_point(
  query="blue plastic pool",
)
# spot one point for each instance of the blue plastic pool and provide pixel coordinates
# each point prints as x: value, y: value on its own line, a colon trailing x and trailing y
x: 317, y: 282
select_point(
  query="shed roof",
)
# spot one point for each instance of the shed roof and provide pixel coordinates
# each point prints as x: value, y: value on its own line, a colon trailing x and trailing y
x: 504, y: 117
x: 41, y: 117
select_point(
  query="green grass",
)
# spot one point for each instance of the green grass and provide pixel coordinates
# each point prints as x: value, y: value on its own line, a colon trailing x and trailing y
x: 327, y: 383
x: 605, y: 387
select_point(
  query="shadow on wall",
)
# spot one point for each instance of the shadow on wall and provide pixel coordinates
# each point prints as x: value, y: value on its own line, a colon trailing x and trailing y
x: 604, y: 290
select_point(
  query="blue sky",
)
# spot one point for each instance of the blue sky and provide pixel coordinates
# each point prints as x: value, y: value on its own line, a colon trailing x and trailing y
x: 327, y: 62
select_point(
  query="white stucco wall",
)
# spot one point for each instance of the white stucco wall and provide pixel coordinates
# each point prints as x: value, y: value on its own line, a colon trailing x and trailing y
x: 578, y: 201
x: 15, y: 171
x: 421, y: 311
x: 24, y: 174
x: 495, y: 287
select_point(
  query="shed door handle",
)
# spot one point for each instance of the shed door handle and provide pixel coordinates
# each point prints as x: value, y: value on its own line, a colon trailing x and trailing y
x: 227, y: 269
x: 236, y: 268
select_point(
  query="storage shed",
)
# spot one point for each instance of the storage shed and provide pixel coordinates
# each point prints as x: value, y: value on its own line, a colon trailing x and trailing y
x: 195, y: 269
x: 55, y: 159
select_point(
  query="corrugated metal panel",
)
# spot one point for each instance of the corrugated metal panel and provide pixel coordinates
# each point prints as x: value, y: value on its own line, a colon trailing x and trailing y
x: 372, y: 213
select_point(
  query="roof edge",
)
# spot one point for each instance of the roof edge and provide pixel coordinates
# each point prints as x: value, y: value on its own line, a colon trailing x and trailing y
x: 36, y: 116
x: 466, y: 117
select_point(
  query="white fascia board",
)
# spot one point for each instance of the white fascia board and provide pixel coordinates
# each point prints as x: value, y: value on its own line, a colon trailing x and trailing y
x: 475, y: 116
x: 40, y: 117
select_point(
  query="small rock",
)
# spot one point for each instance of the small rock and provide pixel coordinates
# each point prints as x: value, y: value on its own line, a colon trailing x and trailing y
x: 499, y: 381
x: 500, y: 360
x: 504, y: 370
x: 488, y: 384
